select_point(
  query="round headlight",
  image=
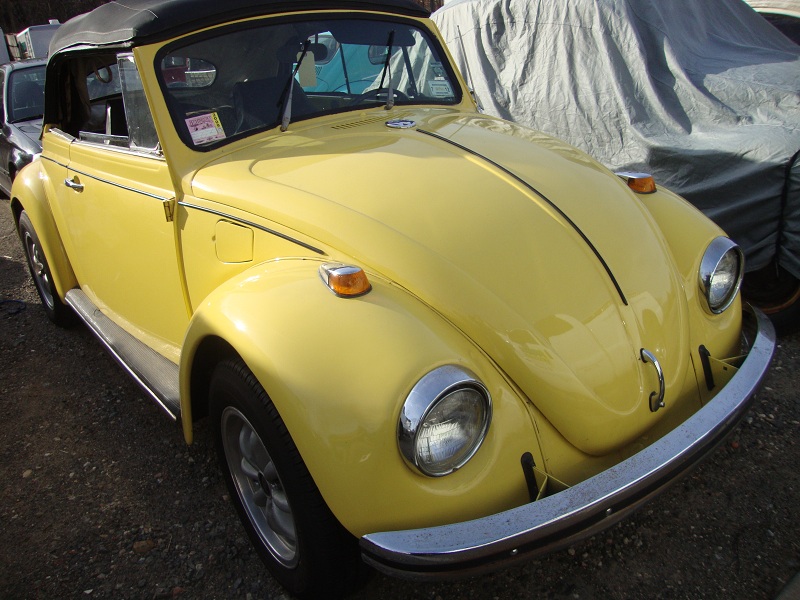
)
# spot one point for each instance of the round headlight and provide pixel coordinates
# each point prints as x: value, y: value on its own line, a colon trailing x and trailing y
x: 721, y: 273
x: 444, y: 420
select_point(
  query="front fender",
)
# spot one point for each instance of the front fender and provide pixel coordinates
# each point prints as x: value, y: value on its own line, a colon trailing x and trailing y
x: 19, y: 158
x: 29, y: 193
x: 338, y: 371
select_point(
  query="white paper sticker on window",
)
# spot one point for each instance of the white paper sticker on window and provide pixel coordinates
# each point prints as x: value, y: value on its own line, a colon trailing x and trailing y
x: 205, y: 128
x: 440, y: 89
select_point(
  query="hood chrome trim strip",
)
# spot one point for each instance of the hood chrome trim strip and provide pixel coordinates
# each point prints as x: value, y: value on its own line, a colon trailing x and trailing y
x: 542, y: 196
x: 255, y: 226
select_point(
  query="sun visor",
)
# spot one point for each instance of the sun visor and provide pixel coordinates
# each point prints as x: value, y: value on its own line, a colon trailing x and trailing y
x: 377, y: 34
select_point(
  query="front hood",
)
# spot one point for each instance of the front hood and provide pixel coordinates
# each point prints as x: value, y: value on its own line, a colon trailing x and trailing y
x: 536, y: 252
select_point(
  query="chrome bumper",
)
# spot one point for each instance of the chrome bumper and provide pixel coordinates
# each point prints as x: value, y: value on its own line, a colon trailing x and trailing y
x: 554, y: 522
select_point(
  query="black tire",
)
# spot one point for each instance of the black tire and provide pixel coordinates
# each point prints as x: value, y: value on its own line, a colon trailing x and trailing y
x: 58, y: 312
x: 777, y: 293
x: 302, y: 544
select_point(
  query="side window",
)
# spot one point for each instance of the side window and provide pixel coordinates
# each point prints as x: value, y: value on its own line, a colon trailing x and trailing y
x: 25, y: 93
x: 141, y: 129
x: 2, y: 95
x: 118, y: 114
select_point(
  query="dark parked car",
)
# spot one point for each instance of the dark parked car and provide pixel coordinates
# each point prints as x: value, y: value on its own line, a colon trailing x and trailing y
x: 22, y: 84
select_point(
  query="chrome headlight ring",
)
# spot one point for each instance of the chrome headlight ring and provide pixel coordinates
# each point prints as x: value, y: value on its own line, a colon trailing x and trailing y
x: 721, y: 272
x: 444, y: 420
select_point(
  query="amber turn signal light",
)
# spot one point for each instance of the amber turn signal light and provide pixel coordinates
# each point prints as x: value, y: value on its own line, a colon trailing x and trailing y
x: 345, y: 281
x: 641, y: 183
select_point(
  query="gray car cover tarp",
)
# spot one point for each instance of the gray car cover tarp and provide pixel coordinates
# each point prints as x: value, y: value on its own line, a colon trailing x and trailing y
x: 702, y: 94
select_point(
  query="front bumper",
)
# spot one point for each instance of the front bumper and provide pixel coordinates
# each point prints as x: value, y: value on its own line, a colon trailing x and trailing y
x: 556, y: 521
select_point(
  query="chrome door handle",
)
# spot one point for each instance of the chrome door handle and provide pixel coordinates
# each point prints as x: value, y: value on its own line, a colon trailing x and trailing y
x: 656, y: 398
x: 74, y: 184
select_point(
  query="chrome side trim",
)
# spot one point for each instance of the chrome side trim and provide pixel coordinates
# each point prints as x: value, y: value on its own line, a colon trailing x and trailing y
x: 155, y: 374
x: 117, y: 143
x: 254, y: 225
x: 123, y: 187
x: 118, y: 185
x: 473, y: 547
x: 55, y: 162
x: 62, y: 134
x: 552, y: 204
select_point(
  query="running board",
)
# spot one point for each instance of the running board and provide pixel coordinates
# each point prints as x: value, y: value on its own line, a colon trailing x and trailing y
x: 156, y: 375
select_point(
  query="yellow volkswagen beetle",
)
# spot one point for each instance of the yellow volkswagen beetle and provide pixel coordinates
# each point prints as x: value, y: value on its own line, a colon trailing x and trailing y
x: 427, y: 338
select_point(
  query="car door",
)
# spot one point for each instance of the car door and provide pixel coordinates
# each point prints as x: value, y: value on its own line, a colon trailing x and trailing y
x: 5, y: 147
x: 116, y: 208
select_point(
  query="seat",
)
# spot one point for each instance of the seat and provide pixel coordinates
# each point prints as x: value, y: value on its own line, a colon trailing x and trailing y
x: 256, y: 103
x: 116, y: 123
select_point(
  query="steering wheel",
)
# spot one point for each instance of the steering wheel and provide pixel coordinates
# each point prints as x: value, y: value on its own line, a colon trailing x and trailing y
x: 376, y: 93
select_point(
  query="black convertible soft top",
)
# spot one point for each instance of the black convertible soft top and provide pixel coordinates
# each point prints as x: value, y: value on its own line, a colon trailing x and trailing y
x: 129, y: 22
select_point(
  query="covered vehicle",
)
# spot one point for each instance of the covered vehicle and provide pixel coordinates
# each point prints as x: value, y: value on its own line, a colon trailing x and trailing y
x: 703, y: 95
x: 21, y: 108
x: 424, y: 336
x: 783, y: 14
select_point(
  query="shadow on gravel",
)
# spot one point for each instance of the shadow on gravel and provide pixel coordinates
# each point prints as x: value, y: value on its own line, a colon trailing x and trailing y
x: 13, y: 274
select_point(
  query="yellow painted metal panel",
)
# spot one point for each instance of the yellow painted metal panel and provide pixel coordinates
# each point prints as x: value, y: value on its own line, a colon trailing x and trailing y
x: 234, y: 243
x: 339, y: 370
x: 123, y: 247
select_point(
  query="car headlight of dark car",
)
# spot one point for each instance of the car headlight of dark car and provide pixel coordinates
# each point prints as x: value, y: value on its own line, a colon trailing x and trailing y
x: 721, y: 273
x: 444, y: 420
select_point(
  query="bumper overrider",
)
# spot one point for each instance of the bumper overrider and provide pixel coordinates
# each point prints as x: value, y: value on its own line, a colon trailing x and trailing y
x: 554, y: 522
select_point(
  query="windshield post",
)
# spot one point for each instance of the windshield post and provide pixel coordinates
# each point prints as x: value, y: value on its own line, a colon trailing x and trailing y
x: 387, y: 69
x: 287, y: 91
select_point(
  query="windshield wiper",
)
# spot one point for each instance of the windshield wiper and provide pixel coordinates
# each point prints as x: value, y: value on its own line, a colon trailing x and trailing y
x: 286, y: 96
x: 386, y: 69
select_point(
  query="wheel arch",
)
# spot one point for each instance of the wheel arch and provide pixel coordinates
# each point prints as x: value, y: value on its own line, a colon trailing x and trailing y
x: 338, y: 371
x: 211, y: 351
x: 28, y: 194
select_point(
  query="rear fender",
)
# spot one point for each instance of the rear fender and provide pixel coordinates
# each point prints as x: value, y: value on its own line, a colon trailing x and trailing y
x: 30, y: 193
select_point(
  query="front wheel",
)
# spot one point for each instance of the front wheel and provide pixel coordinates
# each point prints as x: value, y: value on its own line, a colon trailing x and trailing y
x: 776, y: 292
x: 58, y: 312
x: 300, y: 541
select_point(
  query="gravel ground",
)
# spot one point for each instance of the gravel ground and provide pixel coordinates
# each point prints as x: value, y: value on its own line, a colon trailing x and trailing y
x: 101, y: 498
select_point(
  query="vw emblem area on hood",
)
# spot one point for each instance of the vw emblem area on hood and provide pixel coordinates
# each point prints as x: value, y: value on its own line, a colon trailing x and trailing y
x: 401, y: 124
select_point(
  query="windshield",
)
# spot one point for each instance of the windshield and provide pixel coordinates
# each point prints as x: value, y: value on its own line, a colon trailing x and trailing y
x: 25, y: 94
x: 268, y: 75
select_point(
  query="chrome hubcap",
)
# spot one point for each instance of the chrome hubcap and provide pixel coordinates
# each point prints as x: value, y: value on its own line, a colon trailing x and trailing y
x: 259, y: 487
x: 38, y: 269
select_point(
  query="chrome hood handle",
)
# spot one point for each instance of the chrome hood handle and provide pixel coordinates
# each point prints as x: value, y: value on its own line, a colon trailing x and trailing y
x: 656, y: 398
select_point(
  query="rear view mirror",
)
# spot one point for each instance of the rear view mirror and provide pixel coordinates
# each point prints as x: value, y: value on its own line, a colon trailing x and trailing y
x: 179, y: 71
